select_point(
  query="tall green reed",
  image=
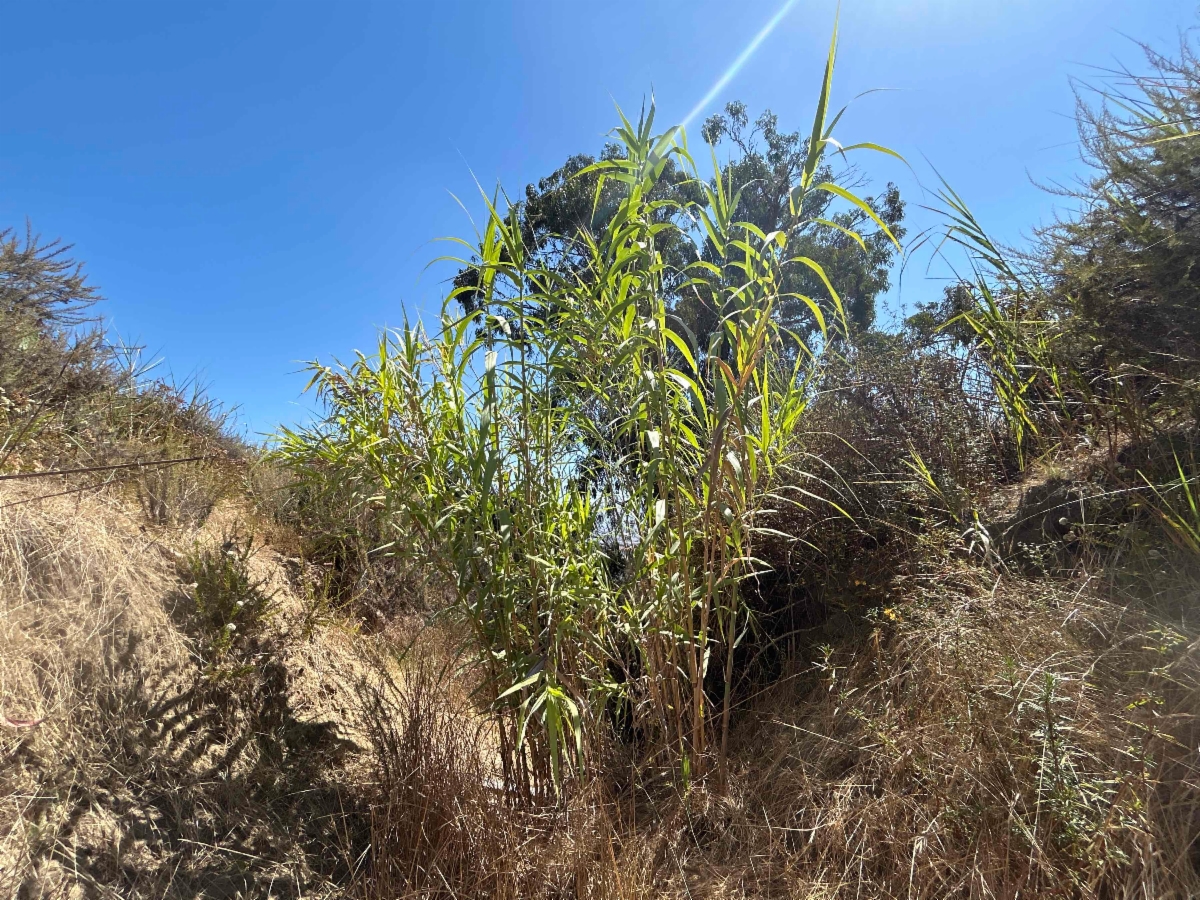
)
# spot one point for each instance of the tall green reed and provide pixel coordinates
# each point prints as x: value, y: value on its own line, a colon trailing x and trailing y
x: 590, y: 479
x: 1014, y: 340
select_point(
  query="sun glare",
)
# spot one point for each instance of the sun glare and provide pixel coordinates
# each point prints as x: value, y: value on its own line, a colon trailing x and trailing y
x: 741, y: 60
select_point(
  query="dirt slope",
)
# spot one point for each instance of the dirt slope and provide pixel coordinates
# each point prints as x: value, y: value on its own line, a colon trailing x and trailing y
x: 125, y: 772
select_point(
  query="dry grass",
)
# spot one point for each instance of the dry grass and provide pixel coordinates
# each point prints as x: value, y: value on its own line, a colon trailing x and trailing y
x: 75, y: 657
x: 973, y: 737
x: 124, y: 772
x: 982, y: 738
x: 1026, y: 740
x: 441, y: 825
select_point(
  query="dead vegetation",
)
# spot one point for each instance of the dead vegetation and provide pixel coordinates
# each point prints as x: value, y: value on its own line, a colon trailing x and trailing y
x: 995, y: 737
x: 985, y: 734
x: 127, y: 771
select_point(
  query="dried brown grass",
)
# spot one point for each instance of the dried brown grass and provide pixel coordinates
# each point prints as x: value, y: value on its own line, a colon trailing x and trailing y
x: 123, y: 771
x: 78, y: 648
x: 441, y: 825
x: 975, y: 736
x: 1027, y: 740
x: 998, y: 737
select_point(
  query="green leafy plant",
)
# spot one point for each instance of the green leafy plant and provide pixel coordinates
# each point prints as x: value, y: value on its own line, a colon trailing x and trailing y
x: 1178, y: 507
x: 1013, y: 341
x: 231, y: 605
x: 590, y: 478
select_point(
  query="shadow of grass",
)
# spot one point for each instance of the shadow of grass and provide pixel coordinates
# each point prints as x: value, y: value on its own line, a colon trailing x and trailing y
x: 189, y: 787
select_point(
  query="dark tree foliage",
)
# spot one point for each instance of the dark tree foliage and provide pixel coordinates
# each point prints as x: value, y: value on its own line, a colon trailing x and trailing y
x: 1125, y: 273
x: 44, y: 296
x: 561, y: 207
x: 766, y: 166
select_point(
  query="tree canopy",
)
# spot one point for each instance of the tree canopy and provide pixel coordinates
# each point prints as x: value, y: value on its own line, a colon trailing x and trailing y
x: 1126, y: 270
x: 763, y: 169
x: 855, y: 254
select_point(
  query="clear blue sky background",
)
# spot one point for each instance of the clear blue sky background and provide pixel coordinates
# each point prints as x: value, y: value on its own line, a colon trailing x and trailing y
x: 253, y: 184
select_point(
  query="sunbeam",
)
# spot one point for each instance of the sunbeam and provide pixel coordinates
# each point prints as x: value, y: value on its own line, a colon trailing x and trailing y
x: 737, y: 64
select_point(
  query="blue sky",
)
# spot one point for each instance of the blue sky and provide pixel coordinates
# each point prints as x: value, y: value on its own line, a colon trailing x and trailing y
x: 254, y: 184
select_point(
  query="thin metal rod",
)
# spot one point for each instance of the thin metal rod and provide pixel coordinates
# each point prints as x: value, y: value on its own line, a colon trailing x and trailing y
x: 132, y: 465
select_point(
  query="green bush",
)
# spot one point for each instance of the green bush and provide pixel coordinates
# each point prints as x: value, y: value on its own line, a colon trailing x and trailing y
x: 231, y: 605
x: 592, y: 480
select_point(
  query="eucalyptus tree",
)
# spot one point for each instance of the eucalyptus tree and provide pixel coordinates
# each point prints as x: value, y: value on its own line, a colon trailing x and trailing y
x: 854, y: 246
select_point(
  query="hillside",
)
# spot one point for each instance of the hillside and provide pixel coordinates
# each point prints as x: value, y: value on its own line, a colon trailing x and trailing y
x: 641, y: 573
x: 985, y: 731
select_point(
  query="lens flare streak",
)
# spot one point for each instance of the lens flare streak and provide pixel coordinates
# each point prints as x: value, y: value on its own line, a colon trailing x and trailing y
x: 737, y: 64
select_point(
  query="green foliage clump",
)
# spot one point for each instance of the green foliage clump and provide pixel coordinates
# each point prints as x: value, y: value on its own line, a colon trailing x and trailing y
x: 231, y: 604
x: 1125, y: 272
x: 44, y: 295
x: 853, y: 247
x: 590, y: 476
